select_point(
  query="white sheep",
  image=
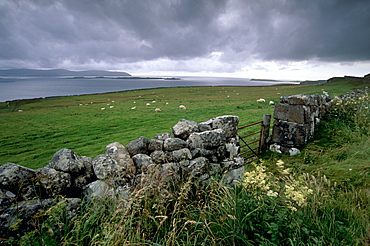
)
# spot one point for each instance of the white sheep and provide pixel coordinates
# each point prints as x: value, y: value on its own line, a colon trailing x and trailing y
x: 272, y: 103
x: 182, y: 107
x: 148, y: 104
x: 157, y: 110
x: 133, y: 108
x: 102, y: 108
x: 261, y: 100
x: 111, y: 107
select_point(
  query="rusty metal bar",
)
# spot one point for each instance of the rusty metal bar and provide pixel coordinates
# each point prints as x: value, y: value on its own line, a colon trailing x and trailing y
x: 246, y: 144
x: 251, y: 134
x: 252, y: 124
x: 262, y: 140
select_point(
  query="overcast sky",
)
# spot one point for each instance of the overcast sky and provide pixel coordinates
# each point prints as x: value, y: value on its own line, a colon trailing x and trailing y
x: 281, y: 39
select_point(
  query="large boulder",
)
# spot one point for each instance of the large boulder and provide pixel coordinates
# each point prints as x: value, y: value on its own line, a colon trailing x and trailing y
x: 178, y: 155
x: 196, y: 167
x: 121, y: 155
x: 115, y: 165
x: 66, y: 160
x: 158, y: 156
x: 86, y: 176
x: 171, y: 144
x: 184, y: 128
x: 105, y: 167
x: 155, y: 145
x: 17, y: 220
x: 13, y: 177
x: 228, y: 123
x: 207, y: 139
x: 138, y: 146
x: 100, y: 189
x: 53, y: 182
x: 301, y: 99
x: 142, y: 162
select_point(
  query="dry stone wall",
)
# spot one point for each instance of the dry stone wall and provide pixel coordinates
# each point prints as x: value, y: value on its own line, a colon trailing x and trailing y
x: 296, y: 118
x: 193, y: 150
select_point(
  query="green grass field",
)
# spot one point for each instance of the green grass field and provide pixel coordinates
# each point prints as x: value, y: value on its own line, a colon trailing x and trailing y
x: 319, y: 197
x: 31, y: 137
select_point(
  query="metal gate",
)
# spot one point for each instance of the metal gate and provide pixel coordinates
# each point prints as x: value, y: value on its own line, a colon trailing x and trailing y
x: 254, y: 139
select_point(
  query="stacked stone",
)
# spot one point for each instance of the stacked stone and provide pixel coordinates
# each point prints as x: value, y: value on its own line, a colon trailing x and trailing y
x: 296, y: 118
x: 197, y: 150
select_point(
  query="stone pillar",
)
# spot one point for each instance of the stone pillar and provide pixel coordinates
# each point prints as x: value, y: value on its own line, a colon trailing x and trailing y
x: 296, y: 118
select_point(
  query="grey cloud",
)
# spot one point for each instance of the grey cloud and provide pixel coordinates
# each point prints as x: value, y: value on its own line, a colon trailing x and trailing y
x: 49, y: 33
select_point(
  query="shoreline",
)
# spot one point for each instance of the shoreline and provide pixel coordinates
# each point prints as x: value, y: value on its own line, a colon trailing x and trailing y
x: 108, y: 92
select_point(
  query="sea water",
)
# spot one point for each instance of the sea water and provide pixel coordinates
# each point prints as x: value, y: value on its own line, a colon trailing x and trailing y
x: 15, y: 88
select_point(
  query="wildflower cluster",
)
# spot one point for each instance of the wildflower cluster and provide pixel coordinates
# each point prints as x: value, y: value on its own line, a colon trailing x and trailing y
x: 354, y: 111
x: 280, y: 183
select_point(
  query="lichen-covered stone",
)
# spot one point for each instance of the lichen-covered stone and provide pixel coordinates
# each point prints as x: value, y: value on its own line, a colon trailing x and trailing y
x: 100, y: 189
x: 184, y: 128
x: 178, y: 155
x: 66, y: 160
x: 197, y: 167
x: 138, y: 146
x: 171, y: 144
x: 120, y: 154
x: 207, y: 139
x: 13, y: 176
x: 105, y: 167
x: 53, y: 182
x: 142, y: 162
x: 155, y: 144
x: 158, y: 157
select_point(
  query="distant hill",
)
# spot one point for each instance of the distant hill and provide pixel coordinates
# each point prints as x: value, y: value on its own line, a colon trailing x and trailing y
x: 58, y: 72
x: 366, y: 78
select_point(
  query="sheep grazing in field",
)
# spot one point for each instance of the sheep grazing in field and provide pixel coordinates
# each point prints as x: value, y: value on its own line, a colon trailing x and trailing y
x: 272, y: 103
x: 157, y: 110
x: 102, y: 108
x: 111, y: 107
x: 261, y: 100
x: 154, y: 101
x: 182, y: 107
x: 148, y: 104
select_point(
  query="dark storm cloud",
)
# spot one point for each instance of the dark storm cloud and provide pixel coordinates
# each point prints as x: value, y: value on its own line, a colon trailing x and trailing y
x: 49, y: 33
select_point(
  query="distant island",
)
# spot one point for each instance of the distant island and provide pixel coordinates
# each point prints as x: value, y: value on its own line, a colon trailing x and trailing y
x: 59, y: 72
x: 272, y: 80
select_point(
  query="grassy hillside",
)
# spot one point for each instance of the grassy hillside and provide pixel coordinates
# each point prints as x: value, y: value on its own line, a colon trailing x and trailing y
x: 32, y: 136
x: 320, y: 197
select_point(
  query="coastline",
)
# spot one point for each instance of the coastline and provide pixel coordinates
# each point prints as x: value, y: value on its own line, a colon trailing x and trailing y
x: 41, y: 87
